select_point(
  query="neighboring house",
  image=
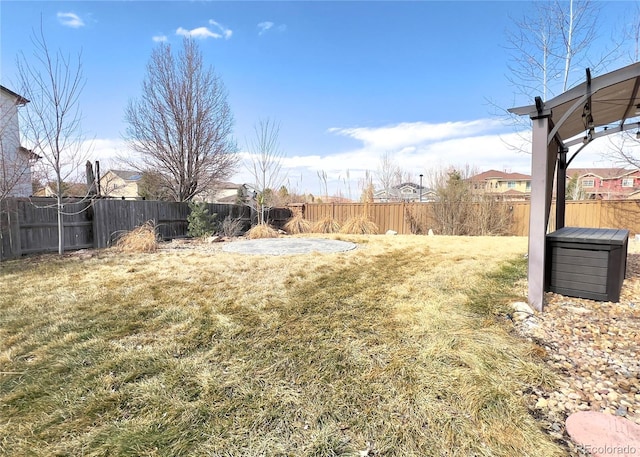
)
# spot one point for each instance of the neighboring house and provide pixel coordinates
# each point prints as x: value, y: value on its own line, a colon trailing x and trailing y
x: 78, y: 190
x: 15, y: 160
x: 507, y: 186
x: 120, y: 183
x: 225, y: 192
x: 407, y: 192
x: 606, y: 183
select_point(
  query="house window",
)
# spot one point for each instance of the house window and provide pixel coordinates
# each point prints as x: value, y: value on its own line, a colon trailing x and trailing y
x: 627, y: 182
x: 511, y: 184
x: 528, y: 185
x: 588, y: 183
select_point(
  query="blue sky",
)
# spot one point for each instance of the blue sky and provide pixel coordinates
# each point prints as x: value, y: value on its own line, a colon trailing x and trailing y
x: 348, y: 81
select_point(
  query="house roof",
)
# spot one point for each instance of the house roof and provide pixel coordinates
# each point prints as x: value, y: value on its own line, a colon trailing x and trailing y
x: 69, y: 189
x: 29, y: 153
x: 126, y: 175
x: 603, y: 173
x: 408, y: 184
x: 495, y: 174
x: 228, y: 185
x: 19, y: 98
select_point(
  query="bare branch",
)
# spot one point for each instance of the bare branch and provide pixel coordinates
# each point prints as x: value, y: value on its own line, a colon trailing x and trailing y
x: 182, y: 124
x: 266, y: 163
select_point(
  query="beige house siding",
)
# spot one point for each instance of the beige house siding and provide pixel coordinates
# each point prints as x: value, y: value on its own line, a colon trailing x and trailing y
x: 112, y: 184
x: 15, y: 168
x: 509, y: 186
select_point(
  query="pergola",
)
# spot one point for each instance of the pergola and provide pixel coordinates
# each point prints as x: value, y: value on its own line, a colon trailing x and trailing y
x: 600, y: 106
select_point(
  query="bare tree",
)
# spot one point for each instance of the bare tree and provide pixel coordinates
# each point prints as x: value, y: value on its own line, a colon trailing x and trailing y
x: 461, y: 209
x: 182, y: 124
x: 53, y: 82
x: 389, y: 173
x: 574, y: 188
x: 266, y: 165
x: 624, y: 147
x: 549, y: 43
x: 633, y: 34
x: 553, y: 40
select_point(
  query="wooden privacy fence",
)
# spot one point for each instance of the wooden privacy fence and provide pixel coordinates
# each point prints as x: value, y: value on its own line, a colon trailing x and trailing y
x: 405, y: 217
x: 29, y: 226
x: 387, y: 216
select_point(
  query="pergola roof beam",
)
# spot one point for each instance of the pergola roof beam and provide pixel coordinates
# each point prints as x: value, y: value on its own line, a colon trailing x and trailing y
x: 565, y: 116
x: 601, y: 133
x: 632, y: 107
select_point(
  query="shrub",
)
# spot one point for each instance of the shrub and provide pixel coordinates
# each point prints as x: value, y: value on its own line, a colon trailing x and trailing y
x: 326, y: 225
x: 297, y: 224
x: 231, y: 226
x: 359, y: 225
x: 201, y: 223
x: 262, y: 231
x: 140, y: 239
x: 462, y: 210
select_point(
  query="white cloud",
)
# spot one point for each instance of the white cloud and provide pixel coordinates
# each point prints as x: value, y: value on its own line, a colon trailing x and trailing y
x: 264, y: 27
x: 205, y: 32
x: 110, y: 152
x: 410, y: 133
x: 159, y: 38
x: 418, y: 147
x: 70, y: 20
x: 199, y: 32
x: 224, y: 30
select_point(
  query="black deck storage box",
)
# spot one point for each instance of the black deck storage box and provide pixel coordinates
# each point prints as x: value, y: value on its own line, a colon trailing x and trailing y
x: 586, y: 262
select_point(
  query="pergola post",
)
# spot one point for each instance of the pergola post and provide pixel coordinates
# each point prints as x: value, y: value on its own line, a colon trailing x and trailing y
x: 561, y: 188
x: 543, y: 164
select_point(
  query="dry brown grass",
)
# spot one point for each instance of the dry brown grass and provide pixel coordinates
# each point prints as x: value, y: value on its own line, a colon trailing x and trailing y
x: 199, y: 353
x: 262, y: 231
x: 359, y: 225
x: 139, y: 240
x: 297, y: 225
x: 326, y: 225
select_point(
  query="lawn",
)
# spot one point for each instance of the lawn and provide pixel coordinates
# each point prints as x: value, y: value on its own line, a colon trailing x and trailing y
x: 398, y: 348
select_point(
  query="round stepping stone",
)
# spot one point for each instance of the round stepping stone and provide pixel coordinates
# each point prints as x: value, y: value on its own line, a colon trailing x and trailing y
x: 287, y: 246
x: 604, y: 435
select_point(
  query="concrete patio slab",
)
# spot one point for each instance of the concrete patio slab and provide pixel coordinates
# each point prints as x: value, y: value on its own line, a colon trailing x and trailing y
x: 288, y: 246
x: 604, y: 435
